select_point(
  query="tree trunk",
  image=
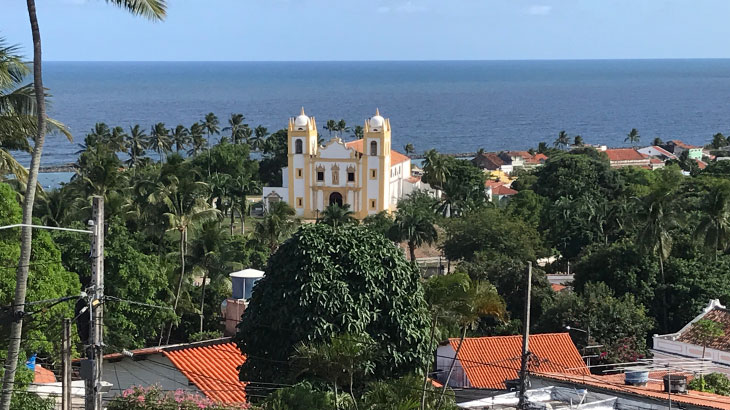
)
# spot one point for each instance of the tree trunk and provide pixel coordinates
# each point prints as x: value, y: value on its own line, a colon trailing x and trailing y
x: 412, y: 251
x: 451, y: 368
x: 233, y: 215
x: 425, y: 369
x: 26, y: 235
x: 243, y: 215
x: 183, y: 239
x: 202, y: 300
x: 352, y: 391
x: 665, y: 321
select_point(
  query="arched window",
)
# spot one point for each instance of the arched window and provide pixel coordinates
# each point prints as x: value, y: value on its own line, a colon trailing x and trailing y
x: 373, y: 148
x: 298, y: 147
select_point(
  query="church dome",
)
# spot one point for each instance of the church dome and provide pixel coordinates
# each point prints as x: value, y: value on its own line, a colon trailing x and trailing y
x: 376, y: 122
x: 302, y: 120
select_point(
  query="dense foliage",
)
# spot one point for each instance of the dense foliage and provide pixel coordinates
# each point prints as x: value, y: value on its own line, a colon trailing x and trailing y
x: 154, y: 398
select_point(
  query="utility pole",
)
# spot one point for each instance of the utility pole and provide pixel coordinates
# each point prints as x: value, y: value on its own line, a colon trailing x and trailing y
x: 66, y: 366
x: 94, y: 351
x: 525, y: 339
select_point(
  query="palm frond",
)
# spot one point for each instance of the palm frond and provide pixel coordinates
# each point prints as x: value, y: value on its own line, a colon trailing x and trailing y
x: 151, y: 9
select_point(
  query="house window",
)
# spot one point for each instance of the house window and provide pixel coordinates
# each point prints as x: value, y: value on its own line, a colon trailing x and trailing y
x: 300, y: 201
x: 298, y: 147
x: 320, y: 176
x: 373, y: 173
x: 299, y: 172
x: 372, y: 203
x: 373, y: 148
x: 350, y: 176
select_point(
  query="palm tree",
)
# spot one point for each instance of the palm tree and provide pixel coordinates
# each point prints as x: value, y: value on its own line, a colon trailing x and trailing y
x: 236, y: 126
x: 206, y: 253
x: 578, y: 141
x: 657, y: 141
x: 259, y: 139
x: 277, y: 225
x: 342, y: 127
x: 415, y: 227
x: 336, y: 215
x: 154, y: 9
x: 137, y: 143
x: 408, y: 148
x: 117, y: 140
x: 358, y: 132
x: 633, y: 137
x: 478, y: 300
x: 185, y: 207
x: 658, y: 214
x: 240, y: 187
x: 331, y: 126
x: 435, y: 169
x: 197, y: 141
x: 210, y: 125
x: 180, y: 138
x: 562, y: 141
x: 714, y: 227
x: 160, y: 140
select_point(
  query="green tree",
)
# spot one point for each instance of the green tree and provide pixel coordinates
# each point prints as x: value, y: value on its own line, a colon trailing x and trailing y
x: 137, y: 143
x: 259, y: 138
x: 301, y: 396
x: 197, y: 142
x: 404, y: 394
x: 211, y: 126
x: 633, y: 137
x: 435, y: 169
x: 380, y: 222
x: 713, y: 229
x: 160, y: 141
x: 414, y: 223
x: 358, y: 132
x: 578, y: 141
x: 657, y: 141
x: 707, y: 331
x: 331, y: 126
x: 718, y: 141
x: 562, y: 141
x: 335, y: 215
x: 330, y: 280
x: 715, y: 383
x: 275, y: 157
x: 180, y: 138
x: 276, y: 226
x: 236, y: 128
x: 409, y: 149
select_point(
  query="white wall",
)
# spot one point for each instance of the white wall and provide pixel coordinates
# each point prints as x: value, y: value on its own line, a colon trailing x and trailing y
x: 444, y: 355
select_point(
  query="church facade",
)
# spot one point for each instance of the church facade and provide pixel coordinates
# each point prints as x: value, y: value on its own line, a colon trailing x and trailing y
x: 365, y: 174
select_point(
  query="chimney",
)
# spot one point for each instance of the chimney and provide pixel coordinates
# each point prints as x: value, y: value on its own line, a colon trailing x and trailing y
x: 233, y: 307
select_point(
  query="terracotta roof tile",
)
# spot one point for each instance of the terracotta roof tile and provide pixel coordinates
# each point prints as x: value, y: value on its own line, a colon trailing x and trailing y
x: 356, y: 145
x: 624, y: 154
x: 213, y: 369
x: 488, y: 160
x: 395, y: 156
x: 503, y: 190
x: 719, y: 315
x: 43, y: 375
x: 489, y: 361
x: 701, y: 164
x: 558, y: 287
x: 682, y: 144
x: 654, y: 389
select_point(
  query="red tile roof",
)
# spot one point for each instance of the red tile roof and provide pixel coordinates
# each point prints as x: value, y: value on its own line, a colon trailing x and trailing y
x: 395, y: 156
x: 213, y: 369
x: 489, y: 361
x: 43, y: 375
x: 722, y: 317
x: 664, y: 152
x: 558, y: 287
x: 624, y: 154
x: 491, y: 183
x: 681, y: 144
x: 701, y: 164
x: 653, y: 390
x: 488, y: 160
x: 503, y: 190
x: 656, y: 161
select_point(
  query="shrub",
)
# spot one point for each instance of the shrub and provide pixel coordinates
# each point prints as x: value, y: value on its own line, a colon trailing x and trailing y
x: 154, y: 398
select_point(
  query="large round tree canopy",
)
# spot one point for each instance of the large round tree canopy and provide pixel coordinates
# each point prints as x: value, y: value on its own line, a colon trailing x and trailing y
x: 335, y: 280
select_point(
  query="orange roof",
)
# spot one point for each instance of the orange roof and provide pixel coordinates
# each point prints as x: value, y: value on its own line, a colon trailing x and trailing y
x: 492, y: 184
x: 537, y: 158
x: 213, y: 369
x: 664, y: 152
x: 655, y: 161
x: 701, y: 164
x: 395, y: 156
x: 503, y: 190
x: 654, y: 389
x: 624, y: 154
x: 681, y: 144
x: 489, y: 361
x: 413, y: 179
x: 558, y: 287
x: 43, y: 375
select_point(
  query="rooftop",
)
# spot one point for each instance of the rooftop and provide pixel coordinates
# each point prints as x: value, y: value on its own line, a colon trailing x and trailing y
x: 395, y: 156
x: 624, y: 154
x: 681, y: 144
x: 717, y: 314
x: 488, y: 160
x: 503, y: 190
x: 489, y: 361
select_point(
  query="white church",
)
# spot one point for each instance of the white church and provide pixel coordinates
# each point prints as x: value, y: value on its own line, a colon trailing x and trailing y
x: 365, y: 174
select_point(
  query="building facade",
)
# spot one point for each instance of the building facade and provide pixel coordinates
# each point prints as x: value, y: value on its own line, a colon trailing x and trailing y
x: 365, y: 174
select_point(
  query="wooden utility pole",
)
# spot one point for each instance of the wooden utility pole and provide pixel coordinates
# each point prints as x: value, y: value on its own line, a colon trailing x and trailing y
x: 94, y: 352
x: 525, y: 339
x: 66, y: 366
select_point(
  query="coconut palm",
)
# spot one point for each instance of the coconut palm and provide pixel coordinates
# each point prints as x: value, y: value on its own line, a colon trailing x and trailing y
x: 562, y: 141
x: 633, y: 137
x: 415, y: 227
x: 235, y: 127
x: 206, y: 255
x: 154, y: 9
x: 185, y: 206
x: 259, y: 139
x: 408, y: 148
x: 239, y: 188
x: 180, y: 138
x: 197, y: 142
x: 435, y: 169
x: 657, y: 215
x: 117, y: 140
x: 714, y: 227
x: 137, y: 142
x: 210, y: 125
x: 342, y: 127
x: 277, y: 225
x: 358, y: 132
x: 331, y: 126
x: 160, y: 141
x: 336, y: 215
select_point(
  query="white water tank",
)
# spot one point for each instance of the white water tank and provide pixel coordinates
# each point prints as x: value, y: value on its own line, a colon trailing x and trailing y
x: 243, y: 282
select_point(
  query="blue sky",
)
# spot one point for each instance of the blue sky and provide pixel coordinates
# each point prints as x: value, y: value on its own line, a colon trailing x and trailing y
x: 211, y: 30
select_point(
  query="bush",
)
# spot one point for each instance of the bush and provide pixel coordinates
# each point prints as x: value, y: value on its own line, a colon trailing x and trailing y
x: 154, y: 398
x: 716, y: 383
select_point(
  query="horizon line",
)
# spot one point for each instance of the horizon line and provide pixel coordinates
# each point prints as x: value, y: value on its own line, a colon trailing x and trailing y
x: 400, y: 61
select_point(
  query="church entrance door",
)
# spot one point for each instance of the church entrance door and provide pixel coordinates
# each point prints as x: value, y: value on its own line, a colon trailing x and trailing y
x: 336, y: 198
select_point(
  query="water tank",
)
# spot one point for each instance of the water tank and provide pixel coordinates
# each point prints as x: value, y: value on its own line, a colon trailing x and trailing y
x: 243, y: 282
x: 637, y: 378
x: 675, y: 383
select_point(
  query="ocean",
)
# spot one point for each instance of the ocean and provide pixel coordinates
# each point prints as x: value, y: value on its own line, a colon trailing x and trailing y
x: 457, y: 106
